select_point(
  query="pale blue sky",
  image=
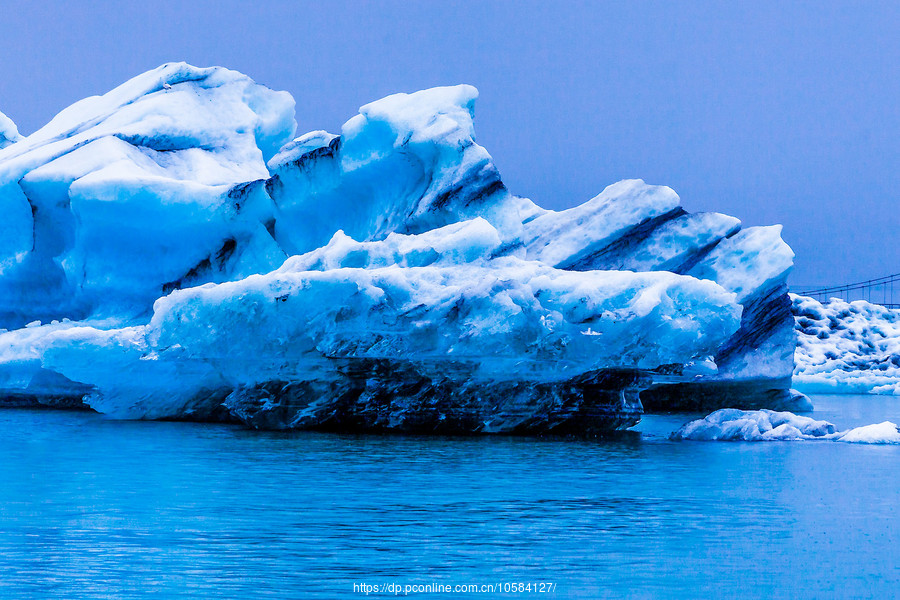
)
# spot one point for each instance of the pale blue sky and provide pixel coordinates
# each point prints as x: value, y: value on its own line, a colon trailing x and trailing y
x: 774, y: 112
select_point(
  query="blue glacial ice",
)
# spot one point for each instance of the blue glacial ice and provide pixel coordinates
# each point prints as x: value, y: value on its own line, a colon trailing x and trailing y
x: 125, y: 196
x: 172, y: 251
x: 446, y: 335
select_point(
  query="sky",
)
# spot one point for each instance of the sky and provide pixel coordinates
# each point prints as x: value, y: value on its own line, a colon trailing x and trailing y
x: 774, y: 112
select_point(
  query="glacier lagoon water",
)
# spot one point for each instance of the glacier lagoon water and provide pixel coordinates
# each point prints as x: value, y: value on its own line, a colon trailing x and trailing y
x: 91, y: 507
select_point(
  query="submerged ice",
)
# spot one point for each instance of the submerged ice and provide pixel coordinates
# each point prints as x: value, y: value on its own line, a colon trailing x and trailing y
x: 171, y: 252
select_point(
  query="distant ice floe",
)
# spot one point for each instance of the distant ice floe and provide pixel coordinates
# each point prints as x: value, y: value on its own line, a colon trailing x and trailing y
x: 846, y: 347
x: 730, y: 424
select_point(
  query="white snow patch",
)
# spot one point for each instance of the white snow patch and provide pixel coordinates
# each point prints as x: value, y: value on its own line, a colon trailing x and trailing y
x: 9, y: 134
x: 846, y: 347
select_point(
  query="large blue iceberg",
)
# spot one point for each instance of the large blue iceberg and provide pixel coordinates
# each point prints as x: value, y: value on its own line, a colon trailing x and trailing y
x: 169, y: 250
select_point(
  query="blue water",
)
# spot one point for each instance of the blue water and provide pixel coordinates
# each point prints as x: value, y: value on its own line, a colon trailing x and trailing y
x: 93, y: 508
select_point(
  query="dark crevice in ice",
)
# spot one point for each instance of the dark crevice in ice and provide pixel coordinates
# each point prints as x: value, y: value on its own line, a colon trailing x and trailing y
x: 203, y: 271
x: 621, y: 246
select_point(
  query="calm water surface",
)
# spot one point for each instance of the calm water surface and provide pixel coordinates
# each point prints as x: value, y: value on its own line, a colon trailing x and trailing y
x: 93, y: 508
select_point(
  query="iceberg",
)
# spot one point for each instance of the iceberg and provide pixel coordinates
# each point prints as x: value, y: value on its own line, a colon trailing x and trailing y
x: 173, y: 251
x: 846, y: 347
x: 439, y: 175
x: 886, y: 432
x: 769, y: 426
x: 493, y: 345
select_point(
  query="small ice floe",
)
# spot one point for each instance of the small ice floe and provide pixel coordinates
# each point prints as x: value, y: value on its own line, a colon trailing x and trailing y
x: 731, y: 424
x: 881, y: 433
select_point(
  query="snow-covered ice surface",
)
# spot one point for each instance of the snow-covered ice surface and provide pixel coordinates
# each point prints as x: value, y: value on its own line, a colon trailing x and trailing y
x: 846, y: 347
x: 9, y: 133
x: 766, y: 426
x: 169, y: 251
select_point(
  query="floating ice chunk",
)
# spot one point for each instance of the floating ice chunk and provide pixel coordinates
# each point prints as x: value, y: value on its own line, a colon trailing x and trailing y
x: 799, y: 401
x: 882, y: 433
x: 21, y: 374
x: 730, y: 424
x: 766, y: 425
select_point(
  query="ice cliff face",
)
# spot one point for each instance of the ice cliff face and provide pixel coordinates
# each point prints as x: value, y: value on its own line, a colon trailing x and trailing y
x: 846, y: 347
x: 418, y: 293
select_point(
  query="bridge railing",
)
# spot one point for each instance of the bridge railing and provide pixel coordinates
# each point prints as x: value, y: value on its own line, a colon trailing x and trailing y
x: 882, y: 290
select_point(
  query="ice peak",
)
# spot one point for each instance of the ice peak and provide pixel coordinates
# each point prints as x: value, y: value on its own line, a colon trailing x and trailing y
x: 9, y: 134
x: 439, y: 112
